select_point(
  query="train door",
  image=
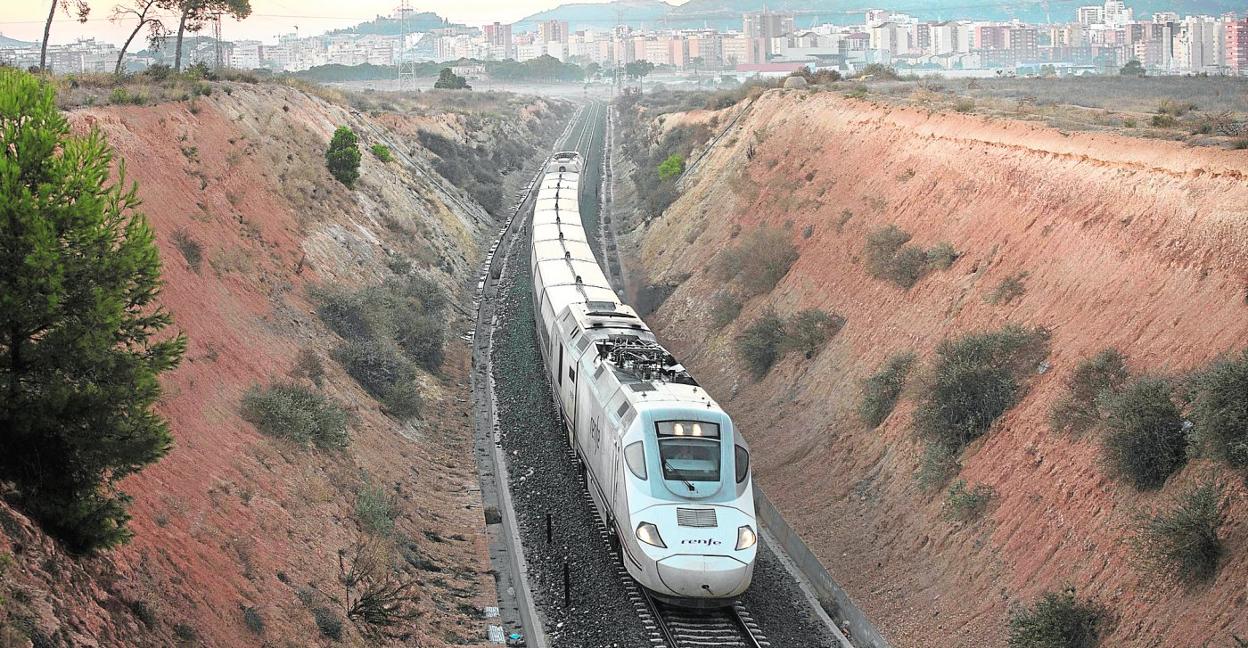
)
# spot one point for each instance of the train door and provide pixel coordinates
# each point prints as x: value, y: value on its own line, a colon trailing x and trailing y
x: 615, y: 480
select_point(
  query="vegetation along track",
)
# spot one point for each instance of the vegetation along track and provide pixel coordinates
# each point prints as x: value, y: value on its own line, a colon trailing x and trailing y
x: 556, y: 523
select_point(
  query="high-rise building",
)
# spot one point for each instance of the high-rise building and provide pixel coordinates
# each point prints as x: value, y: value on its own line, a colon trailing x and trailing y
x: 759, y: 28
x: 1237, y: 46
x: 1116, y: 13
x: 1090, y: 15
x: 498, y: 38
x: 549, y: 31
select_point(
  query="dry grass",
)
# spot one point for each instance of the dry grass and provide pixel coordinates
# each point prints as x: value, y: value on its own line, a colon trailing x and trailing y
x: 1207, y: 111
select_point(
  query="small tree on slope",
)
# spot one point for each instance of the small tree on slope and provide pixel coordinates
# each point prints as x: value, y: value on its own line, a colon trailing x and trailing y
x: 343, y: 156
x: 79, y: 354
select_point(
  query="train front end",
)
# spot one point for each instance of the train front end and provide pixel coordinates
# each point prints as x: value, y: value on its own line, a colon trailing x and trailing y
x: 692, y: 536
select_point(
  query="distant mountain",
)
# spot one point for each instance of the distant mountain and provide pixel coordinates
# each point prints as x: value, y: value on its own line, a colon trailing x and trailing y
x: 601, y: 16
x: 384, y: 26
x: 6, y: 42
x: 726, y: 14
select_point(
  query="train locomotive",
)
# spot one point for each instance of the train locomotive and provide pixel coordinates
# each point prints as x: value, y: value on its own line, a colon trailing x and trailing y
x: 665, y: 467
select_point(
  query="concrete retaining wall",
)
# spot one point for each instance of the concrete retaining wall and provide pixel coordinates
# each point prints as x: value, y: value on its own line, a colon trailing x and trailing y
x: 833, y: 599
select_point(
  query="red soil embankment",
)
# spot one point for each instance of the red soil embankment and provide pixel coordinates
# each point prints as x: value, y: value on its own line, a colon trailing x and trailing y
x: 1136, y: 244
x: 231, y: 519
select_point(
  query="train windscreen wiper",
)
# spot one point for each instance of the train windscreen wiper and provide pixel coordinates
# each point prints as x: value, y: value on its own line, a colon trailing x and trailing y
x: 667, y: 465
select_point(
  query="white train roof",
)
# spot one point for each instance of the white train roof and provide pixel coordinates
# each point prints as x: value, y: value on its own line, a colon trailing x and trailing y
x: 559, y: 181
x: 568, y: 204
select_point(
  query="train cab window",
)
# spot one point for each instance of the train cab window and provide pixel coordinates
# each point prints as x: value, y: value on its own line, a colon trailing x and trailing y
x: 689, y: 450
x: 635, y: 457
x: 741, y: 457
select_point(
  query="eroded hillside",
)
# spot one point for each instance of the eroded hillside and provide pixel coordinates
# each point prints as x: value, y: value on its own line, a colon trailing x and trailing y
x: 1108, y: 241
x: 240, y: 538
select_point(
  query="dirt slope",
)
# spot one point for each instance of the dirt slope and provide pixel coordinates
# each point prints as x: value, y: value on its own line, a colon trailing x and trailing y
x: 231, y: 518
x: 1131, y: 243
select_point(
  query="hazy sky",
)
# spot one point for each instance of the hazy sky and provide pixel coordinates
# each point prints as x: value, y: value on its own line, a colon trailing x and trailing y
x: 23, y: 19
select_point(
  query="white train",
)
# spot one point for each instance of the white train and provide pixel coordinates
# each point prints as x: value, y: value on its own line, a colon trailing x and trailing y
x: 667, y: 470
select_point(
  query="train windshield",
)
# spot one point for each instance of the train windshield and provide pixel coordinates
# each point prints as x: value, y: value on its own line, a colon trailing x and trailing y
x: 689, y: 450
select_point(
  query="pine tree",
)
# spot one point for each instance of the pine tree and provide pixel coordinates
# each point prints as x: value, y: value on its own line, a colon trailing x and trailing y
x: 343, y: 156
x: 80, y: 344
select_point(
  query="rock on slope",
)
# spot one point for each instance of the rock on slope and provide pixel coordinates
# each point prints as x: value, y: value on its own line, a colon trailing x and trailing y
x: 231, y: 519
x: 1137, y: 244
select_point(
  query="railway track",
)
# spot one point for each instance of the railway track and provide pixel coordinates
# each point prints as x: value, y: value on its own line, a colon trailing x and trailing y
x: 673, y: 627
x: 730, y: 627
x: 660, y: 626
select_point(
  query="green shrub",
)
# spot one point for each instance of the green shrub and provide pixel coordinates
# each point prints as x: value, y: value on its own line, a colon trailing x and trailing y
x: 185, y: 633
x: 308, y: 365
x: 760, y: 260
x: 1175, y: 108
x: 143, y: 612
x: 407, y: 309
x: 121, y: 97
x: 725, y: 306
x: 448, y: 80
x: 253, y: 620
x: 882, y: 246
x: 1181, y: 543
x: 937, y: 466
x: 199, y: 70
x: 1163, y: 121
x: 881, y: 390
x: 808, y: 330
x: 975, y: 380
x: 892, y: 258
x: 158, y: 72
x: 378, y: 364
x: 389, y: 330
x: 343, y: 156
x: 382, y: 152
x: 1087, y: 386
x: 1057, y: 620
x: 967, y: 504
x: 1010, y: 288
x: 759, y: 344
x: 422, y: 339
x: 191, y: 250
x: 328, y: 623
x: 1221, y: 410
x: 964, y: 105
x: 672, y: 167
x: 941, y: 256
x: 298, y: 414
x: 374, y: 508
x: 1129, y: 122
x: 1146, y: 442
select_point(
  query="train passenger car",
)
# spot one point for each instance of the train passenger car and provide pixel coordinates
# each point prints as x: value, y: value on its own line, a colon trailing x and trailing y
x: 665, y: 466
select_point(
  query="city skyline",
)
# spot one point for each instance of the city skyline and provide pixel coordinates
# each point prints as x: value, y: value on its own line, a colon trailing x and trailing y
x: 1095, y: 39
x: 25, y: 20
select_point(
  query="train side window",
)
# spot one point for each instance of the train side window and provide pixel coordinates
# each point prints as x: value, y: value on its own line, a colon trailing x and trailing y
x: 635, y: 457
x: 742, y: 459
x: 560, y: 363
x: 571, y: 374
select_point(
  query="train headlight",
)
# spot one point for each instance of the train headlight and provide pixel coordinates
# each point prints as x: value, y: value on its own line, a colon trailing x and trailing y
x: 746, y: 537
x: 649, y: 534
